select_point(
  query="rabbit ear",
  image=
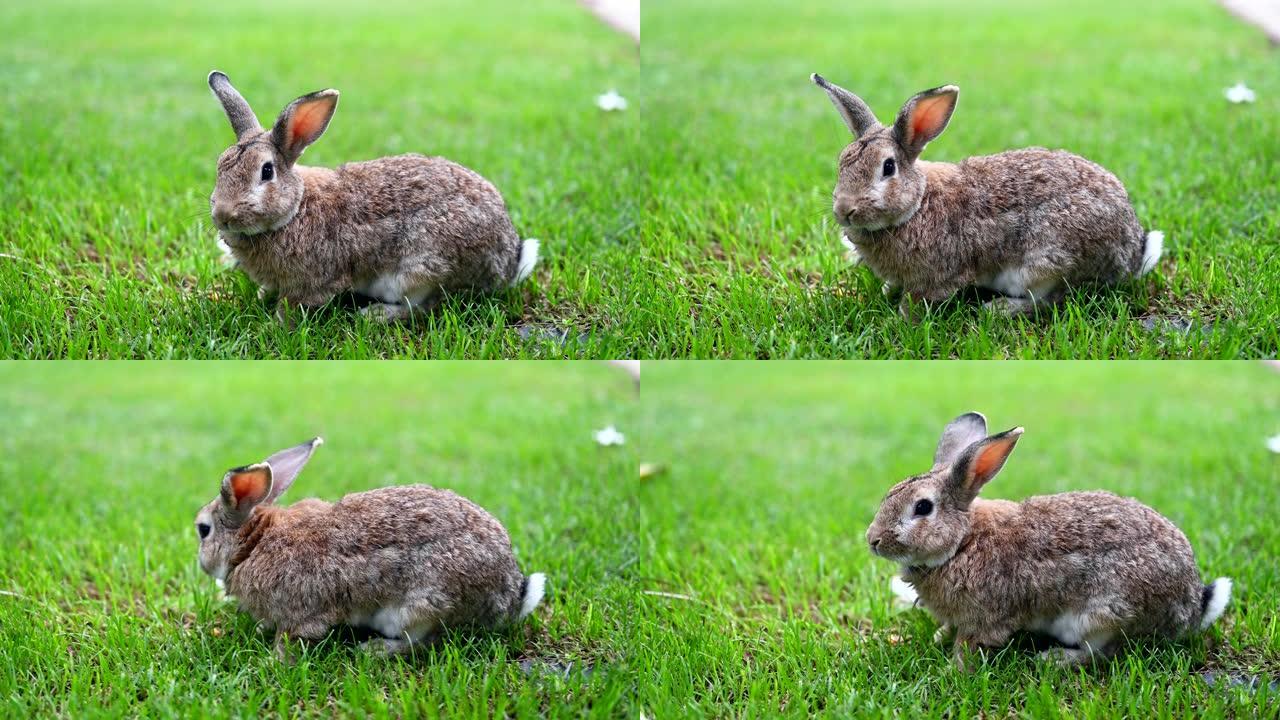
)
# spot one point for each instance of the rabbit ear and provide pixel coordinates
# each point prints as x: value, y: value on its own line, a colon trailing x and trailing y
x: 856, y: 114
x: 958, y: 435
x: 979, y: 463
x: 233, y: 103
x: 245, y: 487
x: 303, y: 122
x: 924, y: 117
x: 286, y: 464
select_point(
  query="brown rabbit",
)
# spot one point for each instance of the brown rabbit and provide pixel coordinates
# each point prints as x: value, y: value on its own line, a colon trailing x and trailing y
x: 401, y: 230
x: 1084, y: 567
x: 1025, y: 223
x: 405, y: 561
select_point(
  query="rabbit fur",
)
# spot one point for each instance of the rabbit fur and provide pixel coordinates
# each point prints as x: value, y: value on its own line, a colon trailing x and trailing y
x: 405, y: 561
x: 1086, y: 568
x: 1028, y: 223
x: 401, y: 230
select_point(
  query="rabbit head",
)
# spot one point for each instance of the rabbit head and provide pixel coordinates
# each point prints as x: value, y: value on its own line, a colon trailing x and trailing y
x: 245, y: 489
x: 880, y: 184
x: 258, y: 188
x: 923, y: 519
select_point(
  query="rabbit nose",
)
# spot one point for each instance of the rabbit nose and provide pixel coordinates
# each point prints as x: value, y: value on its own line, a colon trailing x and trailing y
x: 843, y: 208
x: 875, y: 544
x: 221, y: 214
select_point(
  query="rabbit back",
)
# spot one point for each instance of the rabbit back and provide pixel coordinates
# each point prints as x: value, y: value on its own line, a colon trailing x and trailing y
x: 393, y: 559
x: 1064, y: 563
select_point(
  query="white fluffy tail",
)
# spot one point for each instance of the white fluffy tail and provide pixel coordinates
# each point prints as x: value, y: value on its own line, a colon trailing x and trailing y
x: 528, y: 259
x: 534, y: 586
x: 1216, y: 596
x: 1151, y: 252
x: 905, y: 596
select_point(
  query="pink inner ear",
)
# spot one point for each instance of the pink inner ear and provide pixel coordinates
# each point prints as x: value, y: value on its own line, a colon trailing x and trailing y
x: 928, y: 116
x: 990, y: 457
x: 250, y: 485
x: 308, y: 119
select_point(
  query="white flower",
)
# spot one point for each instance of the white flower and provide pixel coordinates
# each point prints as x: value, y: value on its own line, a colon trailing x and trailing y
x: 1273, y: 444
x: 610, y: 436
x: 1240, y: 93
x: 611, y: 101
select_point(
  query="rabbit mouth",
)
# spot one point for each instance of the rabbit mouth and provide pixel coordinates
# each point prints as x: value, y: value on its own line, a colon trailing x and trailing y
x: 243, y: 231
x: 236, y: 231
x: 890, y: 555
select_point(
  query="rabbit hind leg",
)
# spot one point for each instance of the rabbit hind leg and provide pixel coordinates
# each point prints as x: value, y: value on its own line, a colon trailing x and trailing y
x: 1090, y: 632
x: 406, y: 642
x: 1043, y: 295
x: 404, y: 311
x: 1094, y: 647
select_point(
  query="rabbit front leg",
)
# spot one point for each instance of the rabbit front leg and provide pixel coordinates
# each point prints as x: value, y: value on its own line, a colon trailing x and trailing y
x: 915, y: 302
x: 971, y: 643
x: 305, y: 633
x: 310, y: 301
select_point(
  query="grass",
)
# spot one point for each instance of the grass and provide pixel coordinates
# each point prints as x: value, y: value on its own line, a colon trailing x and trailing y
x: 742, y: 152
x: 774, y: 606
x: 111, y: 137
x: 104, y: 612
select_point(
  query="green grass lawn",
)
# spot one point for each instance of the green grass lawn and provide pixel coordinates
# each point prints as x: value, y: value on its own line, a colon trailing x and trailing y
x: 775, y: 606
x: 104, y: 611
x: 111, y: 135
x: 742, y: 155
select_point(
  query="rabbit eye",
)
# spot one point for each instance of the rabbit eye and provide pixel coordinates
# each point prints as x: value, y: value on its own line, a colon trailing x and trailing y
x: 203, y: 530
x: 889, y: 167
x: 268, y: 171
x: 923, y: 507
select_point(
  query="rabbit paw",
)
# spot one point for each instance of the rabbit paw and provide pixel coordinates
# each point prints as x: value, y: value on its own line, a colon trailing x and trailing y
x: 1010, y: 306
x: 283, y: 650
x: 283, y: 316
x: 890, y: 290
x: 943, y: 634
x: 915, y: 304
x: 387, y: 647
x: 391, y: 312
x: 1067, y: 657
x: 1096, y: 647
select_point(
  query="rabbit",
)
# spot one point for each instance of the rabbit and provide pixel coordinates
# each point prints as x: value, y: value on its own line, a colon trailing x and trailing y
x: 1026, y: 223
x: 401, y: 230
x: 1086, y: 568
x: 405, y: 561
